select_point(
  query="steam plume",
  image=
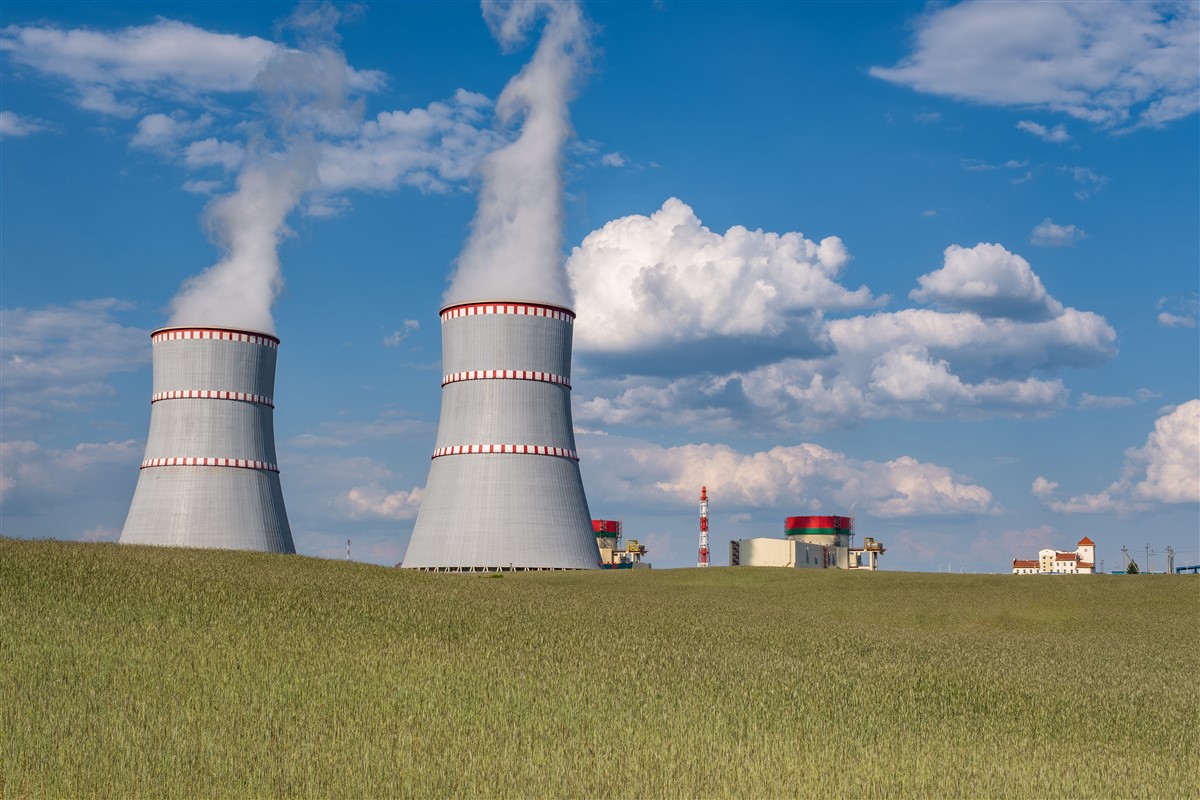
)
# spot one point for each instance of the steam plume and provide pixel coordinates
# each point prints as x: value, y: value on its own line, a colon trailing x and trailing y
x: 515, y: 247
x: 305, y: 91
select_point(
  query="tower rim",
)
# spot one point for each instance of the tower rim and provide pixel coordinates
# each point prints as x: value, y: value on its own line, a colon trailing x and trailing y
x: 221, y: 328
x: 506, y: 301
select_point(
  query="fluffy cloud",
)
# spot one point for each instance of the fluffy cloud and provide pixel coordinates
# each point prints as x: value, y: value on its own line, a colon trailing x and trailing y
x: 1102, y: 62
x: 790, y: 476
x: 1048, y: 234
x: 375, y: 502
x: 58, y: 357
x: 163, y: 131
x: 429, y: 148
x: 991, y: 350
x: 13, y: 124
x: 645, y: 282
x: 1165, y: 470
x: 1057, y: 134
x: 213, y: 152
x: 989, y: 281
x: 119, y: 72
x: 1171, y: 458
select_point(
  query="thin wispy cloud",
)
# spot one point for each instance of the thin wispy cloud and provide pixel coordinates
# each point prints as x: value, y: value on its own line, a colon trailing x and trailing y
x: 1058, y: 134
x: 1049, y: 234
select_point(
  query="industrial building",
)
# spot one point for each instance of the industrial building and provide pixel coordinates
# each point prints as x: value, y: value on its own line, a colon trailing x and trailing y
x: 1080, y: 561
x: 614, y: 555
x: 210, y: 477
x: 504, y: 490
x: 812, y: 542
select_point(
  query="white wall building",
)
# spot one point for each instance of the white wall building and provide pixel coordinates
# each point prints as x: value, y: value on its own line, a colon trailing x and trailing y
x: 1080, y: 561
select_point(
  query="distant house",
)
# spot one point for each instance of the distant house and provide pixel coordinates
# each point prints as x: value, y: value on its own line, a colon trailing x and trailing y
x: 1080, y: 561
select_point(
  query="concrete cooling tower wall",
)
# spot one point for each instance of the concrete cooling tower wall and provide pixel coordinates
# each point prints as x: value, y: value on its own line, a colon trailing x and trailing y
x: 504, y: 490
x: 210, y: 476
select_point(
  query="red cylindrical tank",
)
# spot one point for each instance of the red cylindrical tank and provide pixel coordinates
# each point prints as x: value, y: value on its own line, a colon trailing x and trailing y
x: 818, y: 524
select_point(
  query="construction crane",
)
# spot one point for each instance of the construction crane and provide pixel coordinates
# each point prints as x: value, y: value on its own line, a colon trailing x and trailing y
x: 703, y: 559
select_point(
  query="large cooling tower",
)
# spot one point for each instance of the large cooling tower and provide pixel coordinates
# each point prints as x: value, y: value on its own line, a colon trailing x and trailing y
x: 209, y: 477
x: 504, y: 490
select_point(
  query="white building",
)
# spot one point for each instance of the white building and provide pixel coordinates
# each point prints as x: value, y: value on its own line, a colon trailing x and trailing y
x: 795, y: 552
x: 1080, y: 561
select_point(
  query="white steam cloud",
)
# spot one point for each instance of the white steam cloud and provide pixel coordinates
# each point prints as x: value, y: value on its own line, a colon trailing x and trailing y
x: 306, y: 92
x: 515, y: 247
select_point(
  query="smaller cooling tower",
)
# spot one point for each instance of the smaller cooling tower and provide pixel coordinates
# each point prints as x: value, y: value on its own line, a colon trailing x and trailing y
x: 504, y: 490
x: 210, y: 476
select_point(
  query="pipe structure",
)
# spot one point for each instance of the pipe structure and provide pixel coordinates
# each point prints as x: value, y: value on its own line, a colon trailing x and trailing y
x: 210, y: 476
x: 504, y: 489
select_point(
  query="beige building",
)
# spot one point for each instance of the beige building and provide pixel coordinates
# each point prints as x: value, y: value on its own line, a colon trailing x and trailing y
x: 799, y: 554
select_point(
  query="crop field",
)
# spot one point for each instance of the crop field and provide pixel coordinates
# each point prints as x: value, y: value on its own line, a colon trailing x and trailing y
x: 143, y: 672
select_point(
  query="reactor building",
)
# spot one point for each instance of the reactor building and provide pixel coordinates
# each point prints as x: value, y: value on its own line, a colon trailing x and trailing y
x: 812, y: 541
x: 504, y: 490
x: 210, y: 477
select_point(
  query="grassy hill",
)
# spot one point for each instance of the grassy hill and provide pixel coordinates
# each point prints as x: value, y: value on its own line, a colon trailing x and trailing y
x: 132, y: 671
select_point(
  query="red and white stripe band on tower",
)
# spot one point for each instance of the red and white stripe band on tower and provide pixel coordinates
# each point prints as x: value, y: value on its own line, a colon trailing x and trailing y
x: 702, y: 561
x: 528, y: 309
x: 505, y: 374
x: 221, y: 334
x: 211, y: 394
x: 516, y: 449
x: 201, y: 461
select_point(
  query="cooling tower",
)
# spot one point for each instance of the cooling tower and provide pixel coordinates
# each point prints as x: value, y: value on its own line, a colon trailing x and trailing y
x: 504, y: 490
x: 209, y: 477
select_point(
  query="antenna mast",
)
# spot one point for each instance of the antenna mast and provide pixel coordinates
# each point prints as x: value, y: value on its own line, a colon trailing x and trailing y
x: 703, y: 559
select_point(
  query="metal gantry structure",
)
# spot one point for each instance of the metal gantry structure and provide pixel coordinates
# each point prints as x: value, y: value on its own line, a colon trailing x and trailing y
x: 702, y: 561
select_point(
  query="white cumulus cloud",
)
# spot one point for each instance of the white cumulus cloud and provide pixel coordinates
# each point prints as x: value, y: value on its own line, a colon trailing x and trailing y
x: 643, y: 282
x: 1105, y: 62
x: 164, y: 131
x: 1163, y: 471
x: 988, y: 280
x: 783, y: 476
x: 373, y: 501
x: 991, y: 349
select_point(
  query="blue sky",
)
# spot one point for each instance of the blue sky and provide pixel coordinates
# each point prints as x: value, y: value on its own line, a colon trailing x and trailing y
x: 936, y: 264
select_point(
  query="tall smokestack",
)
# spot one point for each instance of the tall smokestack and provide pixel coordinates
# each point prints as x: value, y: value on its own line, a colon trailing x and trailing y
x: 210, y: 476
x: 504, y: 489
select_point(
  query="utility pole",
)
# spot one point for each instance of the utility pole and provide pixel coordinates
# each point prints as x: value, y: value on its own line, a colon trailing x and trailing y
x: 702, y: 560
x: 1125, y: 555
x: 1170, y: 560
x: 347, y: 549
x: 1146, y: 563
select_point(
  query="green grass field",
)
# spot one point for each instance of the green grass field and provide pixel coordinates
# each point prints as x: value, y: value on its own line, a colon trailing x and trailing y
x: 132, y: 671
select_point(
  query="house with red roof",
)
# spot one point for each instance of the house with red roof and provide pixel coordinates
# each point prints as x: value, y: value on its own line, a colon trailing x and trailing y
x: 1080, y: 561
